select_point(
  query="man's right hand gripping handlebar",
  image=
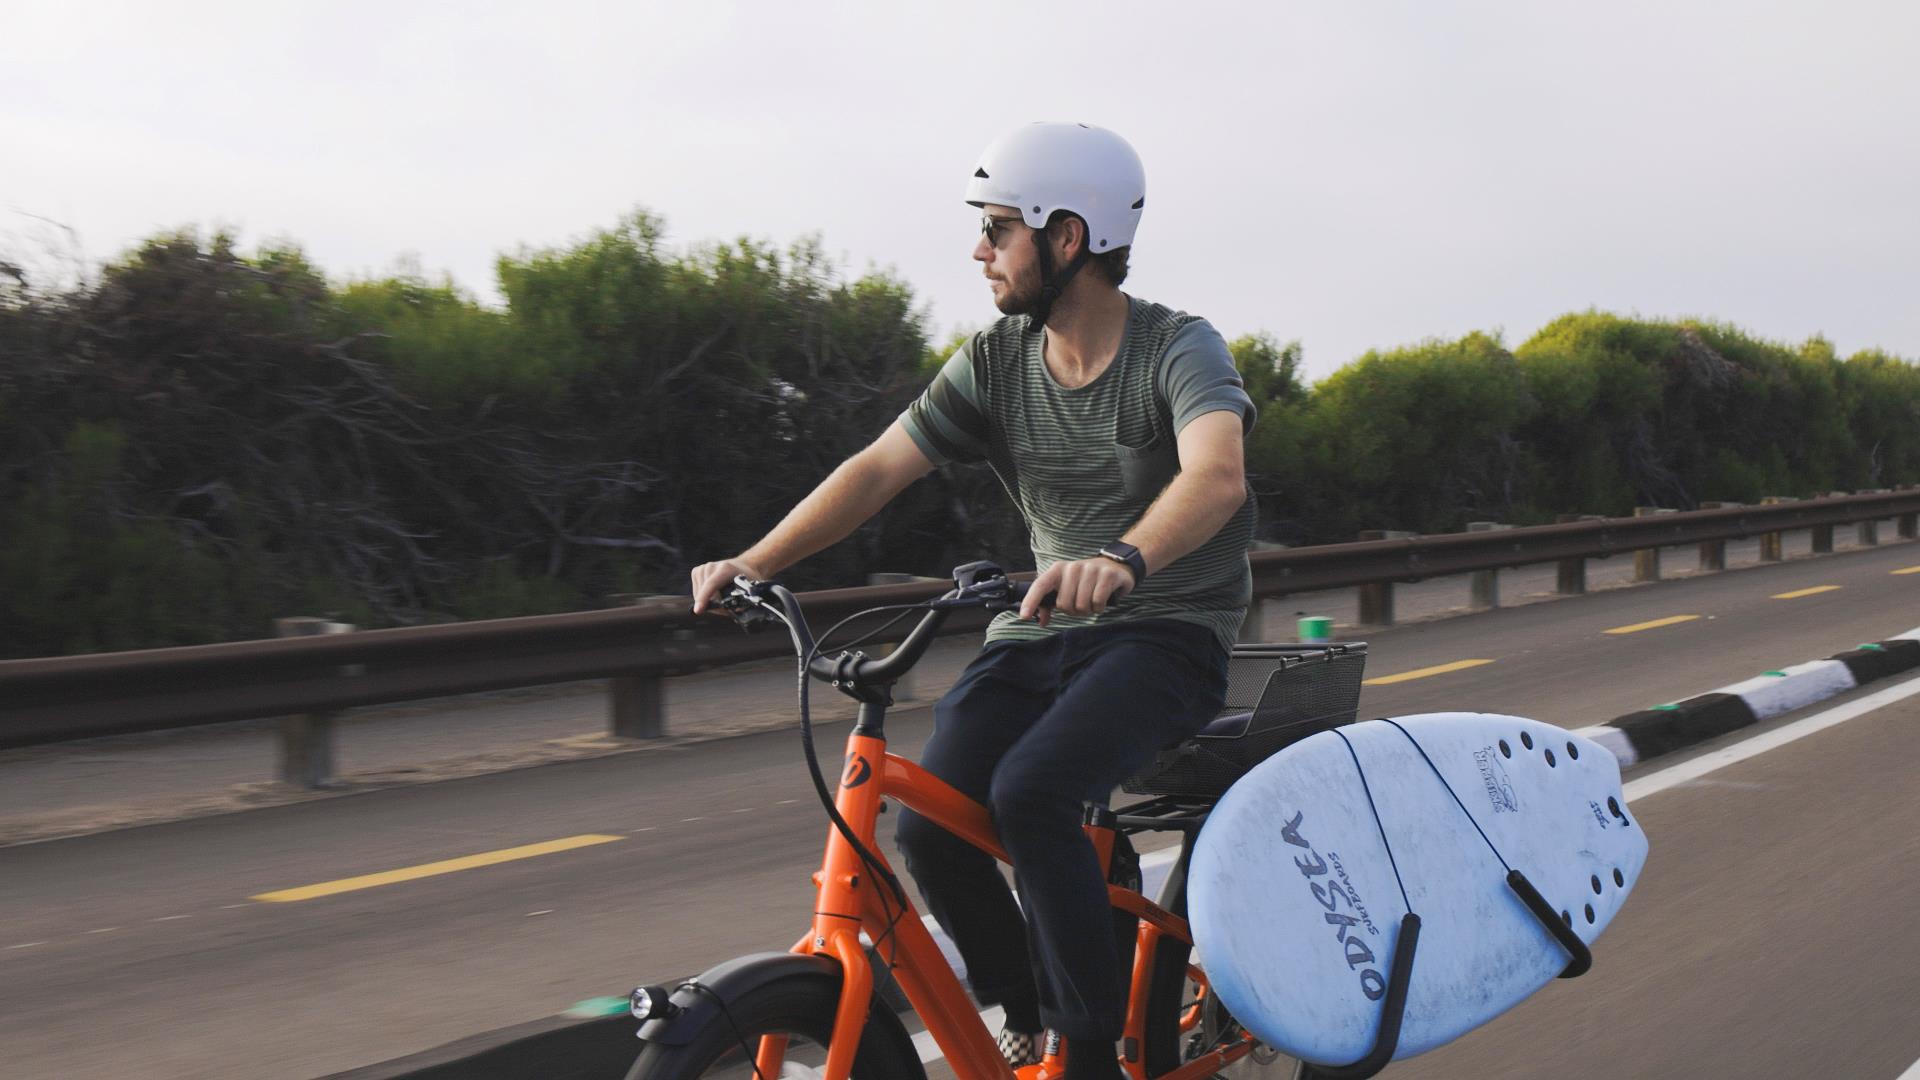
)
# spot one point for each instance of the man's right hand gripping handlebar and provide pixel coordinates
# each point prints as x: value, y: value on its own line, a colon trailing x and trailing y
x: 710, y: 579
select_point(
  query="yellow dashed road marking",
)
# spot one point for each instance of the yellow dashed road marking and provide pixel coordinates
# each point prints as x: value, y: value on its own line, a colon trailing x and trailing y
x: 1909, y: 570
x: 1798, y: 593
x: 445, y: 866
x: 1653, y: 625
x: 1421, y: 673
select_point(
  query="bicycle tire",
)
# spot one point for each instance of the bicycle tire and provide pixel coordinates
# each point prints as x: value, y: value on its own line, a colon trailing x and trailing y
x: 1164, y: 1047
x: 801, y: 1005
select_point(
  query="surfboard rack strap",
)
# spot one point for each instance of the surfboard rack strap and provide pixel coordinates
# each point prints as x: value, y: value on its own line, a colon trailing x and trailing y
x: 1393, y: 1009
x: 1563, y: 933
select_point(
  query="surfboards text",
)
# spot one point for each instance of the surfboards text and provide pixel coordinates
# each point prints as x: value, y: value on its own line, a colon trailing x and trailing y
x: 1494, y: 777
x: 1355, y: 950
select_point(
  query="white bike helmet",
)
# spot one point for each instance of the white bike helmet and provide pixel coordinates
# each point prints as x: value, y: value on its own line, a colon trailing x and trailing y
x: 1044, y: 167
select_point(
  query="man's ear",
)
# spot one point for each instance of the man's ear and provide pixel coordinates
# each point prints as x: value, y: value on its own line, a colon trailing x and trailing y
x: 1072, y: 235
x: 1069, y: 234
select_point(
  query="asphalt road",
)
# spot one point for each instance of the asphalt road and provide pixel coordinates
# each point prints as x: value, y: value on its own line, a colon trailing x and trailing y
x: 1765, y: 939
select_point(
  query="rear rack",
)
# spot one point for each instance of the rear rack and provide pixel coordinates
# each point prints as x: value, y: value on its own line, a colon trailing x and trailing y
x: 1277, y: 694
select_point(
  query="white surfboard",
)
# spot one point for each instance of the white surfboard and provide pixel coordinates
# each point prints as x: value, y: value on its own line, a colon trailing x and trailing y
x: 1304, y: 871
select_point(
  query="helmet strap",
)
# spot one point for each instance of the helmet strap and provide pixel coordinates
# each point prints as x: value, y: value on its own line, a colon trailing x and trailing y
x: 1052, y: 284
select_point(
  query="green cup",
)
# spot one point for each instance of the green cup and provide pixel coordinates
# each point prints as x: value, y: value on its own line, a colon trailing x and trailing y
x: 1316, y: 630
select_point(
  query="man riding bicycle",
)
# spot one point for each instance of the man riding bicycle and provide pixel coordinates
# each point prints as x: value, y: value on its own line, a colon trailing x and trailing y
x: 1116, y: 426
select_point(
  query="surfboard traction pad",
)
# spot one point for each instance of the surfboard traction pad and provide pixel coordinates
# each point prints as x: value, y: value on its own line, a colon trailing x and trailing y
x: 1649, y: 733
x: 1307, y: 868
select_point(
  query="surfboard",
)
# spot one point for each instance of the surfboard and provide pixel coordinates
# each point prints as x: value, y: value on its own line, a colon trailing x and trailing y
x: 1304, y: 872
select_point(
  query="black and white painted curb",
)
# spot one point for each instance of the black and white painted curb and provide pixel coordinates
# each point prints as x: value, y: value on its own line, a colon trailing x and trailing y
x: 595, y: 1039
x: 1663, y: 729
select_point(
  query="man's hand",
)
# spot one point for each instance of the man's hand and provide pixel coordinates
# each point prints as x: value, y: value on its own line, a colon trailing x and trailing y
x: 1083, y: 587
x: 710, y: 578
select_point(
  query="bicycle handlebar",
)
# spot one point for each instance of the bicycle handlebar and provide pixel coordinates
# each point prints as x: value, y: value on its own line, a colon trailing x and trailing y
x: 750, y: 603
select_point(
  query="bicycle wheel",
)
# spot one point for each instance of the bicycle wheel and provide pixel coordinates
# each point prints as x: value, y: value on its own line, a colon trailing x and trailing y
x: 1171, y: 1039
x: 799, y: 1007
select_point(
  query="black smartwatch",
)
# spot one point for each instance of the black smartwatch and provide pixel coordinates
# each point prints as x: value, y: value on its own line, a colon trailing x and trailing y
x: 1128, y: 555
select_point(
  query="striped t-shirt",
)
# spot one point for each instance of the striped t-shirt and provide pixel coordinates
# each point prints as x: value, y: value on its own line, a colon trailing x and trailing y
x: 1083, y: 463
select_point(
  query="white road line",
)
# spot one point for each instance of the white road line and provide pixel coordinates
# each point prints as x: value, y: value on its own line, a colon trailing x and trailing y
x: 1912, y: 1073
x: 104, y: 930
x: 170, y: 918
x: 25, y: 945
x: 1719, y: 759
x: 542, y: 911
x: 742, y: 810
x: 684, y: 820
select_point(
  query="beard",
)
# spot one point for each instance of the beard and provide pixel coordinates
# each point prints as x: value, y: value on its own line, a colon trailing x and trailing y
x: 1022, y: 295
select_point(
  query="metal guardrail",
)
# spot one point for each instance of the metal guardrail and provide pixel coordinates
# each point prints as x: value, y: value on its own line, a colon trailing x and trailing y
x: 71, y: 697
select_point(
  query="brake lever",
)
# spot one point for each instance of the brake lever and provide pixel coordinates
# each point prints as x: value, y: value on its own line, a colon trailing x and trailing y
x: 746, y: 604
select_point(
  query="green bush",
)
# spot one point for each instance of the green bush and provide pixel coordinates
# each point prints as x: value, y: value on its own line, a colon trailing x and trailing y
x: 201, y: 439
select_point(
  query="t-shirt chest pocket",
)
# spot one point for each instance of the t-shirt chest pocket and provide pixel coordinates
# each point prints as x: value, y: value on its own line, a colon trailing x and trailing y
x: 1146, y: 470
x: 1070, y: 447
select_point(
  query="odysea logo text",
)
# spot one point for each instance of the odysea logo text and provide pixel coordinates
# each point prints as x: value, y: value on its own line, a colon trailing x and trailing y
x: 1329, y: 893
x: 1494, y: 776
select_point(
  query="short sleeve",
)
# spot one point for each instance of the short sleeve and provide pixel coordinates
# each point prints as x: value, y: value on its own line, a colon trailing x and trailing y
x: 948, y: 421
x: 1198, y: 377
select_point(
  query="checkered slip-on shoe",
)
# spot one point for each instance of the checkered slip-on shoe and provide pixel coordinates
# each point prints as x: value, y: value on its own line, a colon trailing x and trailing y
x: 1019, y: 1047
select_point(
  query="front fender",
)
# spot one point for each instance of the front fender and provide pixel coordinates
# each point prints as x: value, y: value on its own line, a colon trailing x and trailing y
x: 728, y: 982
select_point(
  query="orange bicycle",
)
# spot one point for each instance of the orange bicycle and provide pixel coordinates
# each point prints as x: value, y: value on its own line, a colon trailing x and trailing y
x: 817, y: 1010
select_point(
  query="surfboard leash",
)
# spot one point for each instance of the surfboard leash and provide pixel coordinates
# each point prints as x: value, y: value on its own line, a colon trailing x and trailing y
x: 1393, y: 1009
x: 1377, y: 823
x: 1581, y: 957
x: 1504, y: 865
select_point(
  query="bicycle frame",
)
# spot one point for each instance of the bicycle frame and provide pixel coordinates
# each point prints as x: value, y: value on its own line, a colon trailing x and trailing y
x: 849, y: 901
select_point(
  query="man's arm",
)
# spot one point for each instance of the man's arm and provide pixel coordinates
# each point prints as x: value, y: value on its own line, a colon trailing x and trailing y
x: 1211, y: 486
x: 851, y: 494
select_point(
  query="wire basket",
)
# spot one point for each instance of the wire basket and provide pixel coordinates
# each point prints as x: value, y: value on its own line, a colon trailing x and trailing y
x: 1276, y: 695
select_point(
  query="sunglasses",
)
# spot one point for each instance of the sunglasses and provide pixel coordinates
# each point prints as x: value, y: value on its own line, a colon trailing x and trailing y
x: 996, y: 228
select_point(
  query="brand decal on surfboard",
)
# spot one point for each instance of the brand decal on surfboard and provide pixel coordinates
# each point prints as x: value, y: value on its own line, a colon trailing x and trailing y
x: 1494, y: 776
x: 1329, y: 893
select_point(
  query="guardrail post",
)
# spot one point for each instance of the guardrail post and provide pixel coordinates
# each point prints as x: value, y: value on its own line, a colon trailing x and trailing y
x: 637, y: 704
x: 1771, y: 547
x: 1822, y: 535
x: 1870, y: 530
x: 1909, y: 525
x: 1570, y: 578
x: 1713, y: 553
x: 306, y: 740
x: 1486, y: 583
x: 1253, y: 628
x: 1646, y: 561
x: 1376, y: 597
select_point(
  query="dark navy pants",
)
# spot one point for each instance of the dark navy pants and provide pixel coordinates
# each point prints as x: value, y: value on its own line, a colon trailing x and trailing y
x: 1033, y: 730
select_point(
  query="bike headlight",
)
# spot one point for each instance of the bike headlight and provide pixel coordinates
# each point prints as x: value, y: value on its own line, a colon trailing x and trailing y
x: 650, y: 1003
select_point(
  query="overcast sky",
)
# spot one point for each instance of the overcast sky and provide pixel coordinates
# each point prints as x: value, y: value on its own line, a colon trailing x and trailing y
x: 1352, y: 174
